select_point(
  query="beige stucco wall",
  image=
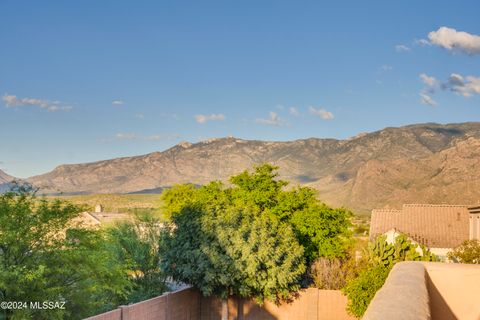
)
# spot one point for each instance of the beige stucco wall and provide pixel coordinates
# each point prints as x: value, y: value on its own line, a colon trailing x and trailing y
x: 454, y: 290
x: 428, y: 290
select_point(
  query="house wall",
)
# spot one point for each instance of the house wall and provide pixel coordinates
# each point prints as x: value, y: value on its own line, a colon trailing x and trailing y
x: 188, y: 304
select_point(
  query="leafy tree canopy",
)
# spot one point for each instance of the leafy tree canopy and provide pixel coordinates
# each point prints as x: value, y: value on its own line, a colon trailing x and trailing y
x: 45, y: 257
x: 136, y: 246
x: 321, y: 230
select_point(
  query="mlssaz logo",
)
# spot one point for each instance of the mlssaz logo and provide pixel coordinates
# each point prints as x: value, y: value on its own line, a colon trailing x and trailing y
x: 47, y: 305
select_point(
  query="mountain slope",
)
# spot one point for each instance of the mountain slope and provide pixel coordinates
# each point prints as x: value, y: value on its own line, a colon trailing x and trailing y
x: 5, y: 180
x: 417, y: 163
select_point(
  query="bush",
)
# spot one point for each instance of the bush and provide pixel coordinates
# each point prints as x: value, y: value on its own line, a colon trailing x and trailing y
x: 382, y: 256
x: 333, y: 273
x: 467, y: 252
x: 328, y: 273
x: 136, y: 247
x: 361, y: 290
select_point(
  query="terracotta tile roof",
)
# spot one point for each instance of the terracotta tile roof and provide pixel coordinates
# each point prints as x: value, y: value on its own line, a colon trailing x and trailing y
x: 435, y: 226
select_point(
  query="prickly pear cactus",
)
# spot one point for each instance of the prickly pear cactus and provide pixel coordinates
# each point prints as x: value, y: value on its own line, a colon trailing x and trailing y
x: 381, y: 252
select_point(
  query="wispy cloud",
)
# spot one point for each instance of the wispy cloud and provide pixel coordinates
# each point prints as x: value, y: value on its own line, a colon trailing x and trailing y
x: 454, y: 40
x: 126, y: 136
x: 321, y: 112
x: 272, y: 120
x: 118, y: 102
x: 134, y: 136
x: 386, y: 68
x: 140, y: 116
x: 422, y: 42
x: 428, y: 80
x: 465, y: 86
x: 426, y: 99
x: 294, y: 111
x: 402, y: 48
x: 12, y: 101
x: 159, y: 137
x: 201, y: 118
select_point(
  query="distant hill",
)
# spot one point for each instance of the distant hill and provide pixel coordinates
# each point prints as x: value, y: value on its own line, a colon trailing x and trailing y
x: 428, y: 163
x: 5, y: 181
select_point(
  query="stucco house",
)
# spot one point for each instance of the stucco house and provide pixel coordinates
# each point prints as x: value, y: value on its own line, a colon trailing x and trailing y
x: 438, y: 227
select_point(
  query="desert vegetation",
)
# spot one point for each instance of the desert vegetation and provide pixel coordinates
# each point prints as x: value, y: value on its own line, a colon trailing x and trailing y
x: 254, y: 237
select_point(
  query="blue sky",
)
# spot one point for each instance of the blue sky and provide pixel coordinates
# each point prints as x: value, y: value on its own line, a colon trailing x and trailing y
x: 90, y: 80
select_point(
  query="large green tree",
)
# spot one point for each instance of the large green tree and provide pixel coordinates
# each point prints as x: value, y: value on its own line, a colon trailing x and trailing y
x: 251, y: 238
x: 45, y: 257
x: 322, y: 231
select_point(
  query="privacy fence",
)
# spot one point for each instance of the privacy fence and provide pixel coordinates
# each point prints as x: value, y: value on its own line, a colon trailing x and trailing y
x: 188, y: 304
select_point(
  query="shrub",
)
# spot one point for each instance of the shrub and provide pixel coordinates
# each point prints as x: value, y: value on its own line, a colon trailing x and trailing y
x: 328, y: 273
x: 361, y: 290
x: 382, y: 256
x: 467, y: 252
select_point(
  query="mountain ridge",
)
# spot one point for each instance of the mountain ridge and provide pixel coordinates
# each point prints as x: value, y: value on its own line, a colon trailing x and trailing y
x: 384, y: 168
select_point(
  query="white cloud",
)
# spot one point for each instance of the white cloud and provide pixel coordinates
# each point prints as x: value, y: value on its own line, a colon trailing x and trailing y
x: 118, y: 102
x: 465, y: 86
x: 426, y: 99
x: 452, y: 39
x: 126, y: 136
x: 158, y: 137
x: 51, y: 106
x: 201, y: 118
x: 273, y: 120
x: 134, y: 136
x: 401, y: 48
x: 428, y: 80
x: 294, y: 111
x: 422, y: 42
x: 386, y: 68
x: 322, y: 113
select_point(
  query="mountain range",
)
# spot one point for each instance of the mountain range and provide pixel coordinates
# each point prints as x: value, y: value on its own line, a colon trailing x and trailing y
x: 422, y: 163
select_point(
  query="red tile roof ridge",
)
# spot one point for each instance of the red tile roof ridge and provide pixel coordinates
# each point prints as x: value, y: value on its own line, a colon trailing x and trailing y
x: 435, y: 205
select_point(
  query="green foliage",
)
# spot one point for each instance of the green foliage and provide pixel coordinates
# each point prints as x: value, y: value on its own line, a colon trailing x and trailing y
x: 334, y: 273
x: 387, y: 254
x: 321, y: 230
x: 362, y: 289
x: 467, y: 252
x: 381, y: 257
x: 229, y: 252
x: 45, y: 257
x: 136, y: 246
x: 176, y: 198
x: 231, y: 241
